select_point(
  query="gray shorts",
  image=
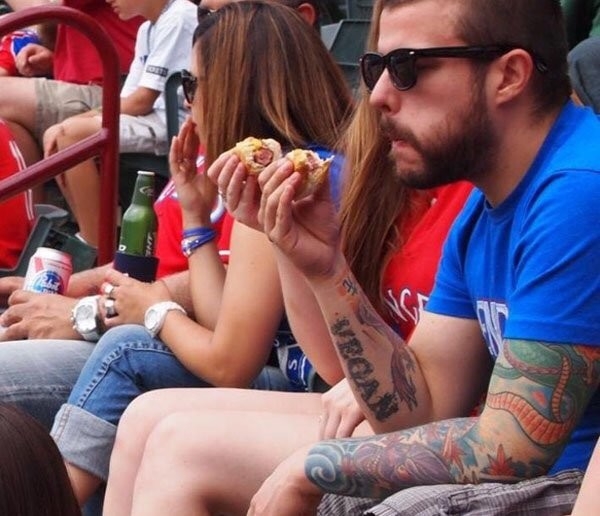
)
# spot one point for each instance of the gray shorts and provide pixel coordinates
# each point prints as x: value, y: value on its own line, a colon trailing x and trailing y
x: 146, y: 133
x: 549, y: 496
x: 58, y: 100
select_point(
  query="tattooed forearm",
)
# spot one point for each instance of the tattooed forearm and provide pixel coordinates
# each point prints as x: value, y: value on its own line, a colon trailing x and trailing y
x: 537, y: 394
x: 403, y: 368
x: 441, y: 453
x: 360, y: 370
x: 377, y: 466
x: 364, y: 311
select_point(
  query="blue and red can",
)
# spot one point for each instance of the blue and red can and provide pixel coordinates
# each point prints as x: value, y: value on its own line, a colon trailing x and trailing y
x: 49, y: 271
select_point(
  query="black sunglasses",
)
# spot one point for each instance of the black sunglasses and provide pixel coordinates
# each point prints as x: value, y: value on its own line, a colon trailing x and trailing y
x: 401, y: 63
x: 189, y: 83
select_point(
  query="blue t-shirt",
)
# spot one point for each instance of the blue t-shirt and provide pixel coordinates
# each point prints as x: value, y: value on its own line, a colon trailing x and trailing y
x: 528, y: 269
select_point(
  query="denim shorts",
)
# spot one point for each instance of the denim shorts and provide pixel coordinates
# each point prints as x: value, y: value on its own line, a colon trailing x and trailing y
x: 126, y: 363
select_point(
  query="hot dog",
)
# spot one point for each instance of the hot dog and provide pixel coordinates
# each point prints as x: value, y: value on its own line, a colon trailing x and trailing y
x: 257, y: 153
x: 311, y: 167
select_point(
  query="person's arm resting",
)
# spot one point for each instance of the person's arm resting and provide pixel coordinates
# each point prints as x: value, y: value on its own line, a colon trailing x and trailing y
x: 140, y: 102
x: 537, y: 394
x: 399, y: 385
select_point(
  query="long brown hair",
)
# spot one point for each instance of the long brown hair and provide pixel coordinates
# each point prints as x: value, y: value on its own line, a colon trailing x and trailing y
x: 374, y: 200
x: 33, y: 477
x: 263, y: 72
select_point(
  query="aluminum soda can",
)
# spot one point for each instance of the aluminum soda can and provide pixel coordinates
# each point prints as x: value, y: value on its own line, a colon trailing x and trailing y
x: 49, y: 271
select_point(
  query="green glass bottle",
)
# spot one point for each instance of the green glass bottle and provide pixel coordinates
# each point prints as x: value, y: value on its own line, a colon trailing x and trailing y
x: 138, y: 226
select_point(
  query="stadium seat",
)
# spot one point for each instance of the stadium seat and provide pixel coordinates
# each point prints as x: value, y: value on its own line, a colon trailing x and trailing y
x: 130, y: 163
x: 346, y: 40
x: 46, y: 233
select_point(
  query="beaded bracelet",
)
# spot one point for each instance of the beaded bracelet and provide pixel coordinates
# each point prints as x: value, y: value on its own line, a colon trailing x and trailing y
x: 189, y: 245
x: 197, y: 232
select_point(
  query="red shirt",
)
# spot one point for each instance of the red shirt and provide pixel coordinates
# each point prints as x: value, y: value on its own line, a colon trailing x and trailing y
x: 16, y: 213
x: 168, y: 235
x: 76, y: 59
x: 410, y: 275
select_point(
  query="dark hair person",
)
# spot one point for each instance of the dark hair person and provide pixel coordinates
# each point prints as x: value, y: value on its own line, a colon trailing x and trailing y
x: 33, y: 478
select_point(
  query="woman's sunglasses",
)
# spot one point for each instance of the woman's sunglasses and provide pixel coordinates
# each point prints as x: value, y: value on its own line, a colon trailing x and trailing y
x: 189, y: 83
x: 401, y: 63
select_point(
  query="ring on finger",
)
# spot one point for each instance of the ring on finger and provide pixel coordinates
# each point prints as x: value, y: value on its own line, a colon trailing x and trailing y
x: 109, y: 306
x: 108, y: 290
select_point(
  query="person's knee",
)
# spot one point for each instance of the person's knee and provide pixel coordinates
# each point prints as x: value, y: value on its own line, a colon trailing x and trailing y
x: 195, y: 462
x: 128, y: 441
x: 170, y: 446
x: 168, y: 438
x: 76, y: 129
x: 175, y: 442
x: 137, y: 421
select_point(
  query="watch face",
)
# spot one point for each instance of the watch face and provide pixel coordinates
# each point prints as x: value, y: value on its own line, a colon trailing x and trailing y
x: 87, y: 326
x: 85, y: 318
x: 84, y: 312
x: 152, y: 319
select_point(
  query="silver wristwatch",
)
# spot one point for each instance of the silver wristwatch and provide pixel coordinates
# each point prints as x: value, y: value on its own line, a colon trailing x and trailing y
x: 156, y: 314
x: 86, y: 318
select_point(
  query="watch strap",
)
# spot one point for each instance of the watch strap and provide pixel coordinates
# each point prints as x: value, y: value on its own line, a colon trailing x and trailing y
x: 161, y: 308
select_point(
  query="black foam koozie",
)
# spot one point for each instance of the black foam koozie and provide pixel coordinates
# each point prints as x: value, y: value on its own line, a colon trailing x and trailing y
x: 142, y: 268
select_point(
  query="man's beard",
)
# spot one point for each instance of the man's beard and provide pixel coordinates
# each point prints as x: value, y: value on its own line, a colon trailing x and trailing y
x: 463, y: 148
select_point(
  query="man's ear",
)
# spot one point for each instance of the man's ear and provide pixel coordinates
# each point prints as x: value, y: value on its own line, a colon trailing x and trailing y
x: 511, y: 74
x: 308, y: 12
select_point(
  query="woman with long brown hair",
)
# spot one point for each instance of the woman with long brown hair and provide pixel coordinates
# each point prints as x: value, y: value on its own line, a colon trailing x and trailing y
x: 254, y: 69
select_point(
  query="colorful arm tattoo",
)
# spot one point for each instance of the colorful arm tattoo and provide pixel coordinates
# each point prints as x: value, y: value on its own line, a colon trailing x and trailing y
x: 557, y: 382
x: 537, y: 394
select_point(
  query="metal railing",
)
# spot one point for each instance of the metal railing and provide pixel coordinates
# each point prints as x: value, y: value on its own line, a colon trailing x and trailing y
x: 104, y: 143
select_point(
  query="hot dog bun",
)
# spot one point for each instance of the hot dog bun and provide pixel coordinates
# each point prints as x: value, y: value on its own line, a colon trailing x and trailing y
x: 311, y: 167
x: 256, y: 154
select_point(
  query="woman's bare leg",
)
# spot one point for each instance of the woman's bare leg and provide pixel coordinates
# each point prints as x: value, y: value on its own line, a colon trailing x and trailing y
x: 148, y: 410
x: 213, y: 462
x: 83, y: 482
